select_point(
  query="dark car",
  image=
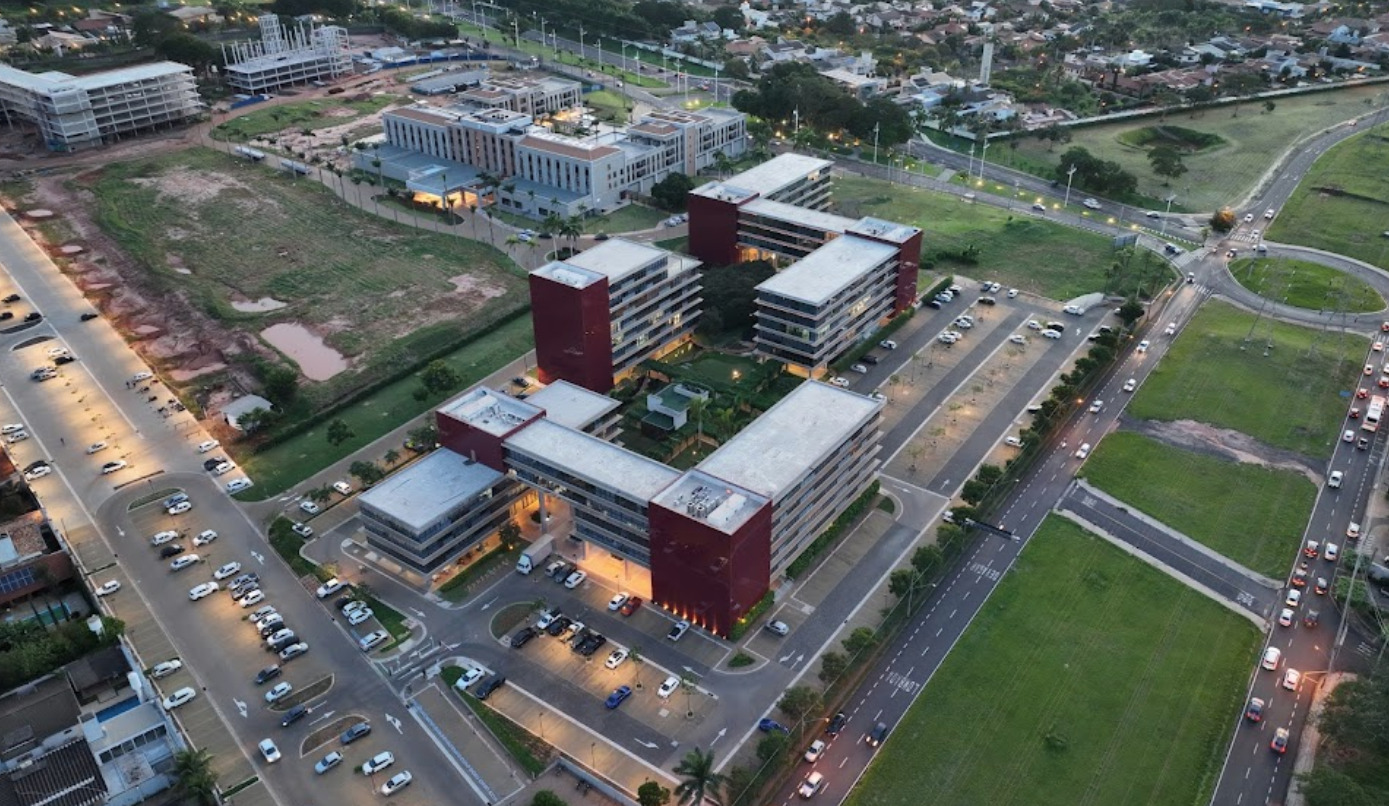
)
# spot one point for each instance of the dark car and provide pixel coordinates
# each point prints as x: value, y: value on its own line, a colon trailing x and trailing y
x: 33, y: 316
x: 871, y: 359
x: 88, y: 316
x: 522, y: 637
x: 272, y: 628
x: 11, y: 298
x: 836, y: 724
x: 1255, y: 711
x: 283, y: 642
x: 877, y: 735
x: 486, y: 687
x: 355, y: 732
x: 171, y: 550
x: 214, y: 462
x: 558, y: 626
x: 767, y: 725
x: 987, y: 301
x: 616, y: 698
x: 590, y: 644
x: 267, y: 674
x: 1311, y: 619
x: 66, y: 358
x: 6, y: 315
x: 562, y: 573
x: 293, y: 715
x: 344, y: 601
x: 934, y: 303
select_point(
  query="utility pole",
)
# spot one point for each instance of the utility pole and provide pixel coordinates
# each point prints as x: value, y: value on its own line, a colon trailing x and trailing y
x: 1070, y: 173
x: 983, y: 156
x: 875, y: 142
x: 581, y: 41
x: 1170, y: 197
x: 796, y: 115
x: 515, y: 32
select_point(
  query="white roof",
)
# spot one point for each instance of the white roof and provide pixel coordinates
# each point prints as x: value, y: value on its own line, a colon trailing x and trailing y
x: 424, y: 492
x: 828, y: 222
x: 489, y: 411
x: 711, y: 501
x: 828, y: 270
x: 570, y: 405
x: 617, y: 258
x: 54, y: 80
x: 773, y: 453
x: 588, y: 457
x: 778, y: 172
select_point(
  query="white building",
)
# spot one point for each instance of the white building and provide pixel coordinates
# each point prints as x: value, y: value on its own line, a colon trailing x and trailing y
x: 283, y: 59
x: 73, y: 112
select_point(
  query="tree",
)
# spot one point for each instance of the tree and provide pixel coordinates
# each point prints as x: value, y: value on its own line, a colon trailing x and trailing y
x: 671, y: 192
x: 974, y: 491
x: 546, y: 797
x: 799, y: 702
x: 1223, y: 221
x: 339, y: 432
x: 736, y: 68
x: 186, y: 49
x: 391, y: 456
x: 1131, y: 311
x: 1167, y: 161
x: 833, y: 665
x: 729, y: 18
x: 860, y: 640
x: 841, y: 24
x: 423, y: 438
x: 280, y: 383
x: 730, y: 297
x: 652, y: 794
x: 321, y: 494
x: 989, y: 474
x: 366, y: 472
x: 150, y: 27
x: 697, y: 409
x: 509, y: 533
x: 193, y: 769
x: 927, y: 558
x: 255, y: 420
x: 438, y: 377
x: 771, y: 749
x: 903, y: 582
x: 699, y: 780
x: 1269, y: 106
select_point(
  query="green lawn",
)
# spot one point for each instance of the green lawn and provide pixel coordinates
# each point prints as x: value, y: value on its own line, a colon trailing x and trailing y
x: 317, y: 114
x: 1217, y: 373
x: 1252, y: 514
x: 1343, y: 203
x: 282, y: 466
x: 1015, y: 248
x: 1215, y: 177
x: 1087, y: 678
x: 630, y: 218
x: 607, y: 106
x: 1306, y: 285
x: 565, y: 57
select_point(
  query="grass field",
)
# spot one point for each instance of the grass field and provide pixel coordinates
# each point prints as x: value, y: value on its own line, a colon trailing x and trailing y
x: 1252, y: 514
x: 1215, y: 177
x: 564, y: 57
x: 1217, y: 373
x: 1343, y: 203
x: 316, y: 114
x: 1307, y: 285
x: 290, y: 462
x: 1016, y: 249
x: 607, y: 106
x: 216, y: 231
x: 1087, y: 679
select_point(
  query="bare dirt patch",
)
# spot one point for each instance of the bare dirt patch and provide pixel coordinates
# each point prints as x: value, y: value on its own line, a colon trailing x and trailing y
x: 1224, y: 443
x: 471, y: 286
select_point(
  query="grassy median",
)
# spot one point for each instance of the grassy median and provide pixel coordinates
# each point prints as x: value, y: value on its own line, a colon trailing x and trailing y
x: 1306, y: 285
x: 1088, y: 677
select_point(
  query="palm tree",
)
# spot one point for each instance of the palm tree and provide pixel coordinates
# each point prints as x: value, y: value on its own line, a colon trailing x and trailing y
x: 472, y: 213
x: 634, y: 655
x: 193, y: 768
x: 572, y: 228
x: 697, y: 407
x: 552, y: 225
x: 392, y: 456
x: 700, y: 781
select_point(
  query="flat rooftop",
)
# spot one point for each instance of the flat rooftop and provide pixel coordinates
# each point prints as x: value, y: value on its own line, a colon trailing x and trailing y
x: 571, y: 405
x: 572, y: 276
x: 55, y: 80
x: 424, y: 492
x: 617, y: 258
x: 883, y: 230
x: 723, y: 191
x: 598, y: 461
x: 712, y: 501
x: 778, y: 172
x: 489, y: 411
x: 773, y: 453
x: 818, y: 276
x: 802, y: 216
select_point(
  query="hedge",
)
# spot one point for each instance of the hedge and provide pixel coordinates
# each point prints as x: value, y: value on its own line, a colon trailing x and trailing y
x: 831, y: 535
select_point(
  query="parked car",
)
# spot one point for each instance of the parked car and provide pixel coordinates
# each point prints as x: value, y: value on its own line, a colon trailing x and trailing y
x: 166, y: 668
x: 355, y: 732
x: 668, y: 687
x: 619, y: 696
x: 328, y: 762
x: 680, y: 628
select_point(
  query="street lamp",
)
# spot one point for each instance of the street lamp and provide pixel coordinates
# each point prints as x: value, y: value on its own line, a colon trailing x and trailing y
x: 1070, y: 173
x: 1170, y: 197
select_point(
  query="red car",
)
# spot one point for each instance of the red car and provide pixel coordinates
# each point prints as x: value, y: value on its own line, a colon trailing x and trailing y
x: 1255, y: 711
x: 1355, y: 414
x: 630, y: 606
x: 1384, y: 328
x: 1280, y: 741
x: 1361, y: 394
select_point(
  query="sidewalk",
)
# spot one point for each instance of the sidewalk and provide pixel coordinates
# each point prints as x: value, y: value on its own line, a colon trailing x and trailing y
x: 484, y: 764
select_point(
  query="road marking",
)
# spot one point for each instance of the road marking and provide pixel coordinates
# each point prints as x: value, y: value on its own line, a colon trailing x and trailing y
x: 240, y: 707
x: 395, y: 723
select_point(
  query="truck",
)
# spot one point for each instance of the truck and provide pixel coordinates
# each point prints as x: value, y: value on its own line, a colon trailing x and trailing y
x: 1373, y: 413
x: 534, y: 554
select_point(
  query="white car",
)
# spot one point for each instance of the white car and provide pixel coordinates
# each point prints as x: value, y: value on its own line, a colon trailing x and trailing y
x: 471, y: 676
x: 1292, y: 678
x: 358, y: 616
x: 342, y: 487
x: 261, y: 613
x: 842, y: 383
x: 812, y: 784
x: 1353, y: 531
x: 11, y: 428
x: 1294, y: 598
x: 108, y: 587
x: 397, y: 782
x: 1033, y: 324
x: 378, y: 762
x: 1268, y: 213
x: 1017, y: 338
x: 1331, y: 553
x: 1096, y: 406
x: 330, y: 587
x: 18, y: 436
x: 163, y: 537
x: 1051, y: 334
x: 269, y: 750
x: 1248, y: 217
x: 1334, y: 482
x: 1348, y: 436
x: 1091, y: 204
x: 328, y: 762
x: 204, y: 537
x: 888, y: 344
x: 210, y: 445
x: 1012, y: 442
x: 38, y: 472
x: 1012, y: 293
x: 163, y: 670
x: 1130, y: 385
x: 859, y: 368
x: 310, y: 507
x: 575, y: 579
x: 355, y: 605
x: 1143, y: 346
x: 1272, y: 657
x: 183, y: 696
x: 279, y: 692
x: 253, y: 598
x: 96, y: 447
x: 303, y: 530
x: 1073, y: 310
x: 202, y: 591
x: 1083, y: 451
x: 293, y: 651
x: 616, y: 657
x: 618, y: 600
x: 668, y: 687
x: 184, y: 561
x: 111, y: 467
x: 223, y: 468
x: 1285, y: 618
x: 237, y: 485
x: 226, y: 570
x: 180, y: 508
x: 816, y: 749
x: 1170, y: 330
x: 947, y: 338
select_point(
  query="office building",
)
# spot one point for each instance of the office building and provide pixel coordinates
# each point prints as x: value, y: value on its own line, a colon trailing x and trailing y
x: 76, y: 112
x: 533, y: 95
x: 599, y: 314
x: 285, y: 58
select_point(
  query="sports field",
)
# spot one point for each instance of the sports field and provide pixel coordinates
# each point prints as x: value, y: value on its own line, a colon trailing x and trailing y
x: 1285, y: 385
x: 1088, y: 679
x: 1252, y: 514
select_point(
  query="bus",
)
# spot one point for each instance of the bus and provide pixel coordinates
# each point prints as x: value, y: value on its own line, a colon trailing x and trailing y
x: 1372, y: 413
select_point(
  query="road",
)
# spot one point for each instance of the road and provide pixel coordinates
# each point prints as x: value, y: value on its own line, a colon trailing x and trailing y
x: 92, y: 401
